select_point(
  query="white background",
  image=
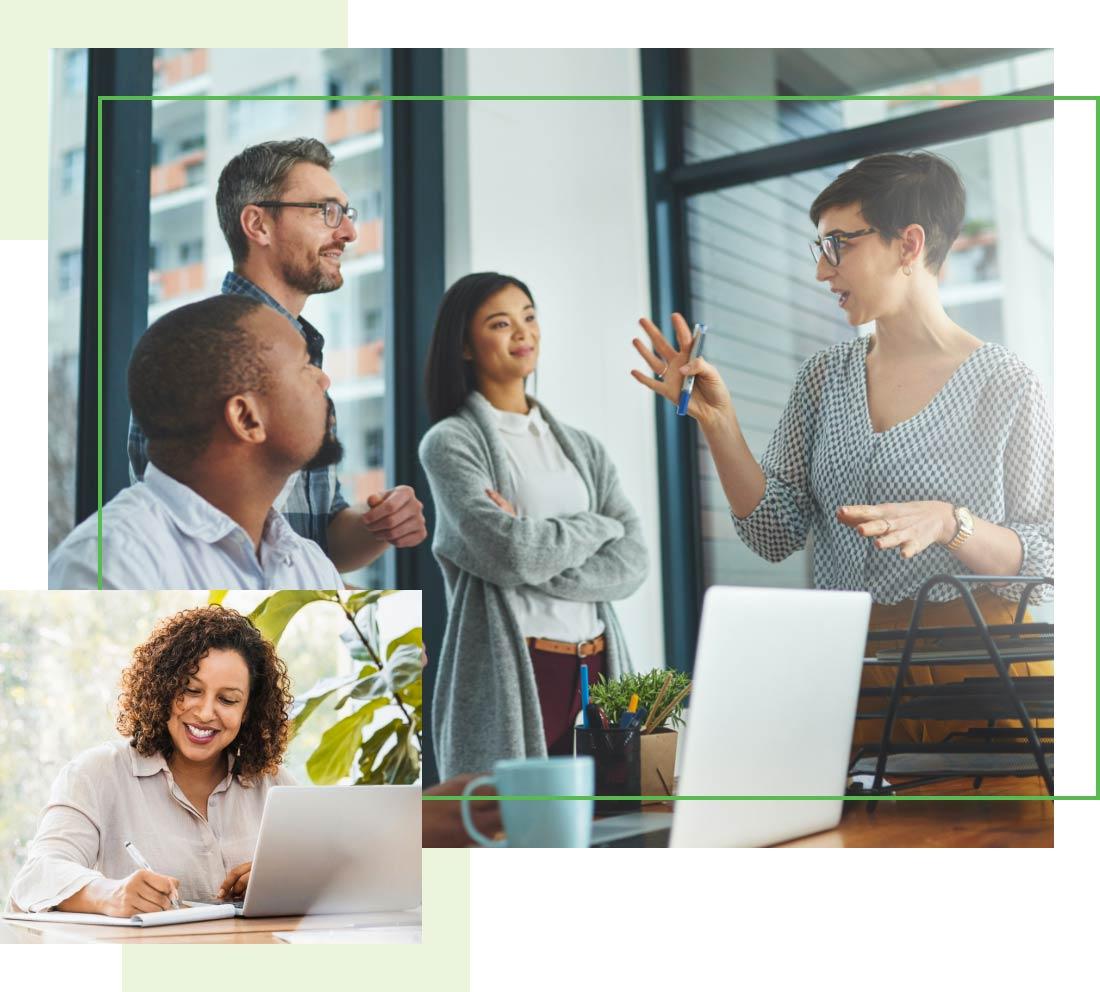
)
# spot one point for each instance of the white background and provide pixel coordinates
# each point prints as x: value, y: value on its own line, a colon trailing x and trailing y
x: 911, y: 919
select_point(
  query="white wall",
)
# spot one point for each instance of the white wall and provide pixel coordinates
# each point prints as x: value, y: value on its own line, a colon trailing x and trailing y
x: 554, y: 194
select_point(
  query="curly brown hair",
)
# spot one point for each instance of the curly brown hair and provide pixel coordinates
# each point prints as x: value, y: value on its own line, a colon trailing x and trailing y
x: 164, y: 663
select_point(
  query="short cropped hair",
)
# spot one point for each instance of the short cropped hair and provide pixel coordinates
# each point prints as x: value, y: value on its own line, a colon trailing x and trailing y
x: 260, y: 173
x: 185, y: 368
x: 163, y: 664
x: 896, y: 190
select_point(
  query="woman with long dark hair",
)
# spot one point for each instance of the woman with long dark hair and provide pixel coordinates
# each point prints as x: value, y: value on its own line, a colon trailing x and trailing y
x: 533, y: 534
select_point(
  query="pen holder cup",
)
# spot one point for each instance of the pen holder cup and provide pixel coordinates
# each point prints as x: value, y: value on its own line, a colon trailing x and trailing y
x: 618, y: 757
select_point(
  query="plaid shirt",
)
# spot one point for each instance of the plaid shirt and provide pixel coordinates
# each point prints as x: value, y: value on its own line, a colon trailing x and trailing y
x: 314, y: 497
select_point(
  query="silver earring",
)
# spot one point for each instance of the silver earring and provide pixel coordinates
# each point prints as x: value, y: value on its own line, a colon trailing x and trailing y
x: 907, y: 270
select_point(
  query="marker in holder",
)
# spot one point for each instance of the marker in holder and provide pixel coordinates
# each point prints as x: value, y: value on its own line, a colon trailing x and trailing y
x: 618, y: 755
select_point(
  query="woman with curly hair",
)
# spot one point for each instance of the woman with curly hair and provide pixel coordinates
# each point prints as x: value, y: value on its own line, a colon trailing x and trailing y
x: 204, y: 713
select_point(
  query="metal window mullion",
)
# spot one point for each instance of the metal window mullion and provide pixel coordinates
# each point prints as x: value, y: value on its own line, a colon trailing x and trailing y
x: 414, y: 253
x: 126, y: 156
x: 677, y: 460
x: 914, y: 131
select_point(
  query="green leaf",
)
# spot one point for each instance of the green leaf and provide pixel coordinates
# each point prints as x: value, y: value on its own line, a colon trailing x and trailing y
x: 357, y: 600
x: 414, y: 636
x: 274, y: 613
x: 372, y: 746
x: 306, y: 702
x: 334, y: 755
x: 366, y: 629
x: 412, y: 694
x: 403, y: 667
x: 614, y: 696
x: 401, y: 765
x: 367, y: 674
x: 371, y: 687
x: 217, y: 596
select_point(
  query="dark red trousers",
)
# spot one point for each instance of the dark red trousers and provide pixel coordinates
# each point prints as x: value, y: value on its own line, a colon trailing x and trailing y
x: 558, y: 677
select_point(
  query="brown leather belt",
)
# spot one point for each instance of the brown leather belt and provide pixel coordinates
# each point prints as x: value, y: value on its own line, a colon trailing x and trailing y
x: 582, y: 650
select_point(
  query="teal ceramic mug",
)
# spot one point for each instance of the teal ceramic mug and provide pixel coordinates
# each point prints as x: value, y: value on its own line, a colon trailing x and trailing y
x: 539, y: 822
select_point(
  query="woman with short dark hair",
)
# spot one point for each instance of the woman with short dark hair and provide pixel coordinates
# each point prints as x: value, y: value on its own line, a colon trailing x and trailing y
x: 204, y: 713
x: 915, y: 451
x: 533, y: 533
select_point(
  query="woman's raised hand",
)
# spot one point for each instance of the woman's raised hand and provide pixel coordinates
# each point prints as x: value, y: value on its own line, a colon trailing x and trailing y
x: 710, y: 400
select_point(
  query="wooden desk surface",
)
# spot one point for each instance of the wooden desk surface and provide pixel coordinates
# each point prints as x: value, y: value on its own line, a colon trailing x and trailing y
x: 997, y: 823
x: 237, y: 930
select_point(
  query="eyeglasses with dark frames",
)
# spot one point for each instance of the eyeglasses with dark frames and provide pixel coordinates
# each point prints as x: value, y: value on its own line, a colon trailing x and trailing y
x: 829, y: 246
x: 334, y: 211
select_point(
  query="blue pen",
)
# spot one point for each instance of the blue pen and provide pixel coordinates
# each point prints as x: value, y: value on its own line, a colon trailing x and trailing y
x: 584, y: 693
x: 698, y: 335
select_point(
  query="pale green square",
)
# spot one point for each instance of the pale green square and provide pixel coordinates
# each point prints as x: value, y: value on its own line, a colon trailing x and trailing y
x: 442, y: 962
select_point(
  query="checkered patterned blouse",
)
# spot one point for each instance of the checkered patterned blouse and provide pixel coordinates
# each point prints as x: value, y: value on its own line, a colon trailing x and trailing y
x: 985, y: 441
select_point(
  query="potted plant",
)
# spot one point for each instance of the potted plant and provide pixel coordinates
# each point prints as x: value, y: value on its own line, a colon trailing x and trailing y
x: 391, y: 752
x: 662, y: 693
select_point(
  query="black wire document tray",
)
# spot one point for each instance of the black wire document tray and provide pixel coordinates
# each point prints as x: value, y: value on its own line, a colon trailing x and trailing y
x: 980, y: 751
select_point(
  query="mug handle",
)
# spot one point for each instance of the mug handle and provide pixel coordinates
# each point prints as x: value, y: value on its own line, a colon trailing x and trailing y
x: 467, y: 819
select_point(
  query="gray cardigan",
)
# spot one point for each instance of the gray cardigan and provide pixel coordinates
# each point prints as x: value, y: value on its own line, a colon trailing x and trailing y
x: 485, y: 706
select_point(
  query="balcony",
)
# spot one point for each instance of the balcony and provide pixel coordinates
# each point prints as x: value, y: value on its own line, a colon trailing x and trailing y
x: 373, y: 480
x: 361, y: 117
x: 176, y: 69
x: 363, y: 361
x: 369, y: 241
x: 187, y: 170
x: 168, y: 284
x: 963, y: 86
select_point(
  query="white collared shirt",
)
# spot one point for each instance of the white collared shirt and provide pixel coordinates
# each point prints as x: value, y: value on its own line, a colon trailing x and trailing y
x: 545, y: 483
x: 160, y: 534
x: 110, y: 795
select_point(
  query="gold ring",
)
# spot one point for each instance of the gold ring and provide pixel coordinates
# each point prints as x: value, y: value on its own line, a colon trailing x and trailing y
x: 660, y: 376
x: 888, y: 526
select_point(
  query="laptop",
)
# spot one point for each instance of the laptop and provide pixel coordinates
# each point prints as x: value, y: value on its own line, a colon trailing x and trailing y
x: 336, y: 849
x: 772, y: 709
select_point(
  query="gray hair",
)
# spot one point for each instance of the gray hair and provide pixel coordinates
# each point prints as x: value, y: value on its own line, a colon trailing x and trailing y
x: 259, y: 173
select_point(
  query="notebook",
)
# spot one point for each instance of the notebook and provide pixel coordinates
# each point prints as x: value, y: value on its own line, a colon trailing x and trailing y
x: 191, y: 913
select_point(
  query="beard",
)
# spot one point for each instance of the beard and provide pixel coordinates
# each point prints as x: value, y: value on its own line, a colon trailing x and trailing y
x: 331, y: 450
x: 310, y: 278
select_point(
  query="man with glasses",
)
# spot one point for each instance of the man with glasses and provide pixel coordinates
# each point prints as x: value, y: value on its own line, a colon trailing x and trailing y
x: 287, y: 222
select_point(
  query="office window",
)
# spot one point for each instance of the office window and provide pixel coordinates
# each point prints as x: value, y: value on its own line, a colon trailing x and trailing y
x: 254, y: 117
x: 68, y: 78
x: 751, y: 275
x: 374, y: 448
x: 72, y: 170
x: 714, y: 129
x: 190, y: 251
x: 196, y: 139
x: 74, y: 76
x: 68, y: 271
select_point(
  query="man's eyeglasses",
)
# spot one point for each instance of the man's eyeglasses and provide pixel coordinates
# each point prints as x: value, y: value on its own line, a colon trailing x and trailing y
x: 829, y: 246
x: 334, y: 212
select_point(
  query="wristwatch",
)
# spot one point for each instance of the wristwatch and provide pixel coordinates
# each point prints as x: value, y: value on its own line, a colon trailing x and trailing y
x: 965, y: 522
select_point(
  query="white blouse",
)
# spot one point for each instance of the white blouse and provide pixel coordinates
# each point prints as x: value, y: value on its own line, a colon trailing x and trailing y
x: 545, y: 484
x: 110, y: 795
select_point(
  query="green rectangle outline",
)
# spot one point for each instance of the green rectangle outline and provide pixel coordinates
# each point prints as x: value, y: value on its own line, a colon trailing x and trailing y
x: 938, y: 98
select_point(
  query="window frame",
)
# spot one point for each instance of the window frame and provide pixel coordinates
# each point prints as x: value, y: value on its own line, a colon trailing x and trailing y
x: 669, y: 183
x: 413, y: 198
